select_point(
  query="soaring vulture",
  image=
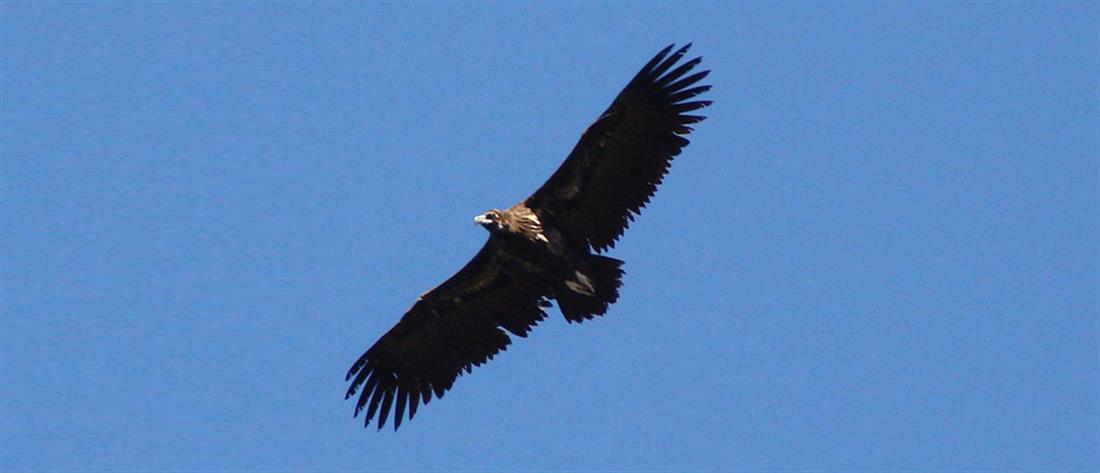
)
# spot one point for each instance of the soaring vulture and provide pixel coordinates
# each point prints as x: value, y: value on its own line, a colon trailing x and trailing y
x: 541, y: 249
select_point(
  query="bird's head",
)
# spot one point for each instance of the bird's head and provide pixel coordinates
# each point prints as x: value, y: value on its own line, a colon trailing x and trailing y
x: 490, y: 220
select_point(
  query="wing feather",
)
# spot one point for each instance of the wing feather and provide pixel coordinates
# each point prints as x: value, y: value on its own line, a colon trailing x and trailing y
x: 452, y: 328
x: 620, y: 159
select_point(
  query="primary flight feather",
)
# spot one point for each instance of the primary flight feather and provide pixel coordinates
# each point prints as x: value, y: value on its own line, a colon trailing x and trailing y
x: 541, y: 249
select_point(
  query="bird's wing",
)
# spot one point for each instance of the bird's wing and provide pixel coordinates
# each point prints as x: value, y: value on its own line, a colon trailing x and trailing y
x: 450, y: 329
x: 621, y: 158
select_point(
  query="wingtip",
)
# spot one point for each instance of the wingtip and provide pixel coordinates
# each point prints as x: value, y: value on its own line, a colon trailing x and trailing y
x: 676, y: 56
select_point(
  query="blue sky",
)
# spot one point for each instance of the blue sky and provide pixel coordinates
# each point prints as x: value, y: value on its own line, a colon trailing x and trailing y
x: 880, y: 252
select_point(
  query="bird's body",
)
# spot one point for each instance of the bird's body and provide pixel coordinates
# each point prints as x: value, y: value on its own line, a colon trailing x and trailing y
x: 583, y: 284
x: 540, y: 250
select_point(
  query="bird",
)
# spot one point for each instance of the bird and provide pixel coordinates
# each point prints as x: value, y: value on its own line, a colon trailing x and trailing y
x: 548, y: 247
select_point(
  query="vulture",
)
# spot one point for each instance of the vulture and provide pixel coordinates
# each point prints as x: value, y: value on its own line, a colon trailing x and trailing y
x: 545, y: 248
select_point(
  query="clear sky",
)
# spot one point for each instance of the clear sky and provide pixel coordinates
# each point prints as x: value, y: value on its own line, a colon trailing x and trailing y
x: 878, y: 253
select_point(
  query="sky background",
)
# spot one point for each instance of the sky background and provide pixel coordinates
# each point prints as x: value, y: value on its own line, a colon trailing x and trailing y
x: 880, y: 252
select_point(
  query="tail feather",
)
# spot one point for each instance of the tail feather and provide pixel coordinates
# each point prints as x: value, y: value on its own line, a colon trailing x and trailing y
x: 593, y: 290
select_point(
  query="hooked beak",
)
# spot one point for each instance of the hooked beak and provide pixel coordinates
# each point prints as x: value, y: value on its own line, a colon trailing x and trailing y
x: 482, y: 220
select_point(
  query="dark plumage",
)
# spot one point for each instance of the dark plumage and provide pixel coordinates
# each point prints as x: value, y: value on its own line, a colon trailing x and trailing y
x: 540, y: 249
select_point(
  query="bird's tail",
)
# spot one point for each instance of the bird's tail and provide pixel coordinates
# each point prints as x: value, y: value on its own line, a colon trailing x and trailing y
x: 590, y: 289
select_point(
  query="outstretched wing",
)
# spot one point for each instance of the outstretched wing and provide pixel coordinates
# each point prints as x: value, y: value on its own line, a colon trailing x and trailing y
x: 450, y: 329
x: 621, y: 158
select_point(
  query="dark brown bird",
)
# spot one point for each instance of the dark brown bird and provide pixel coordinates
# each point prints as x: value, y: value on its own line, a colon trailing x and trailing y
x: 540, y: 249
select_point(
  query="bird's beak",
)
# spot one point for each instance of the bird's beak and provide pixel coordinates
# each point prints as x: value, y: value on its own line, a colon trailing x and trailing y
x: 482, y: 220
